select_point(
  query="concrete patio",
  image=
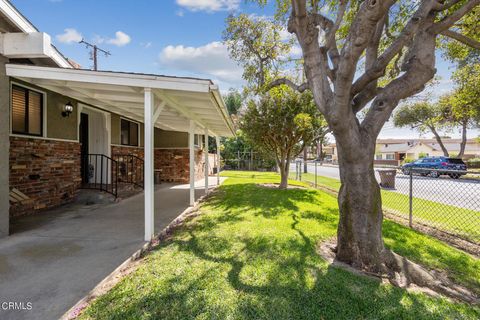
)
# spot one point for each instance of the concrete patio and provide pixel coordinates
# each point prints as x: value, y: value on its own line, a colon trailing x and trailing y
x: 55, y: 258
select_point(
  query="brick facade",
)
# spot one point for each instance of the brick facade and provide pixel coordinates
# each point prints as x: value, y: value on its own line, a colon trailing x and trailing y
x: 130, y: 168
x: 47, y: 171
x: 172, y: 163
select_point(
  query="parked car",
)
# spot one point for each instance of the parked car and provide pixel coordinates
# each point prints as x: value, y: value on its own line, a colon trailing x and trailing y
x: 436, y: 166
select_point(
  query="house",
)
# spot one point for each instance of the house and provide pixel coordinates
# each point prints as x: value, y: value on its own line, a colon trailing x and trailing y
x: 64, y: 128
x: 395, y: 150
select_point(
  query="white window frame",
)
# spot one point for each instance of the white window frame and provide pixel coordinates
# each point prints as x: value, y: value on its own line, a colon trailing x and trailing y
x: 44, y: 111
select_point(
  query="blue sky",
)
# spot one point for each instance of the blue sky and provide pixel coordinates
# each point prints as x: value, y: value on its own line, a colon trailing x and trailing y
x: 173, y: 37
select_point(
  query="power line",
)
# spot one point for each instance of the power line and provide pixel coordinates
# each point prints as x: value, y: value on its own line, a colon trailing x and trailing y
x: 94, y: 53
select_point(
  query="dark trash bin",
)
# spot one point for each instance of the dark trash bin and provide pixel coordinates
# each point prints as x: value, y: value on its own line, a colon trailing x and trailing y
x: 387, y: 178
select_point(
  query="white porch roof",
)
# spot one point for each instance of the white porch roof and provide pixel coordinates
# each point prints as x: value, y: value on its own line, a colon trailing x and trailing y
x: 177, y: 100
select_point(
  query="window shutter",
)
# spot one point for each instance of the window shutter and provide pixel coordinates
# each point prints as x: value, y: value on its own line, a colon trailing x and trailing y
x: 18, y: 110
x: 34, y: 113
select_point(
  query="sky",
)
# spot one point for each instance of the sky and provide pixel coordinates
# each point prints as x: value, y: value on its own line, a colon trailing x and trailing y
x: 170, y: 37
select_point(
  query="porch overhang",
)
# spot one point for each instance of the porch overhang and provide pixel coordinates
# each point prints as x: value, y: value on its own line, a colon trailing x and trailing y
x: 177, y: 100
x: 170, y: 103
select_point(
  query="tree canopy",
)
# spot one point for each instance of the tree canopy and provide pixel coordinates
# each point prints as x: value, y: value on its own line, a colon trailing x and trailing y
x: 281, y: 123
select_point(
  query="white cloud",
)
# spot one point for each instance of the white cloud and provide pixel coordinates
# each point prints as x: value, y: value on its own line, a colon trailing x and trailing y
x: 121, y: 39
x: 146, y: 45
x: 209, y: 5
x: 69, y: 35
x: 180, y: 13
x: 98, y: 39
x: 210, y: 60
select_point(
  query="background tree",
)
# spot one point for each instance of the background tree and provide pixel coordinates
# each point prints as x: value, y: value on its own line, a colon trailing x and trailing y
x: 346, y: 56
x: 422, y: 116
x: 233, y: 101
x: 278, y: 123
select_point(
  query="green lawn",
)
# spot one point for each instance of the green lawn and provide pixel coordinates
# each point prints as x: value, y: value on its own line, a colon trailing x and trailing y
x: 445, y: 217
x: 251, y: 254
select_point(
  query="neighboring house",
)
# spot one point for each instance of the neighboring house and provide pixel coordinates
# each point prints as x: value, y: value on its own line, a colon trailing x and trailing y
x: 400, y: 149
x: 62, y: 128
x: 393, y: 151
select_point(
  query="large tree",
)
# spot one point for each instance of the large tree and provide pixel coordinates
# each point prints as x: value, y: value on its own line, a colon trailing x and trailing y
x: 346, y: 55
x: 282, y: 123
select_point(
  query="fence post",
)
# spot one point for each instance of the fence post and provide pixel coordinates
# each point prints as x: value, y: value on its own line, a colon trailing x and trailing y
x: 315, y: 173
x: 300, y: 170
x: 410, y: 199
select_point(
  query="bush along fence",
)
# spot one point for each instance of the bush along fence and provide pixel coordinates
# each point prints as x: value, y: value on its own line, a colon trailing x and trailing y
x: 442, y: 200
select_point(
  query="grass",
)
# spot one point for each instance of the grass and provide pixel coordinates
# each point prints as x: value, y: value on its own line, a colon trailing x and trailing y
x: 464, y: 222
x: 251, y: 254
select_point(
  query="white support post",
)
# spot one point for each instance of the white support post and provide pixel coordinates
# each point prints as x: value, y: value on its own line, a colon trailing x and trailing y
x: 191, y: 142
x: 148, y: 171
x: 217, y: 140
x: 205, y: 150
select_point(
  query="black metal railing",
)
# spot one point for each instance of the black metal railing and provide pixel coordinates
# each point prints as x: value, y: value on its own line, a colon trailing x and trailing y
x: 131, y: 169
x: 100, y: 172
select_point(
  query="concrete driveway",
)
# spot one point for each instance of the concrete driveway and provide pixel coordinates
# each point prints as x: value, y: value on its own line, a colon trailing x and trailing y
x: 55, y: 258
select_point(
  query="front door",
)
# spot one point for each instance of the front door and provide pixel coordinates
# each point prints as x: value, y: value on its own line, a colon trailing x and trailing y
x: 84, y: 146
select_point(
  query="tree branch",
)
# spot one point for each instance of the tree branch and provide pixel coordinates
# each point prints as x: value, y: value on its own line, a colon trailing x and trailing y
x: 419, y: 69
x: 288, y: 82
x: 449, y: 20
x: 408, y: 32
x: 461, y: 38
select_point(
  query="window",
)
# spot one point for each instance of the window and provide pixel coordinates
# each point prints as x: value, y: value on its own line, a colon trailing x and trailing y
x: 129, y: 133
x: 27, y: 111
x: 390, y: 156
x: 378, y: 156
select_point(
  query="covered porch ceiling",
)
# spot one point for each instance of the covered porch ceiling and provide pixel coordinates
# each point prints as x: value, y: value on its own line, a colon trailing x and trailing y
x: 177, y: 100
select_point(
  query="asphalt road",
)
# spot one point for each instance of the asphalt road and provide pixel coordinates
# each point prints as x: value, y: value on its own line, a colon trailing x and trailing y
x: 464, y: 193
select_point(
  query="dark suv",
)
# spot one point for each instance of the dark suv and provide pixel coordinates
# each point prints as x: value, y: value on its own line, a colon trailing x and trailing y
x: 436, y: 166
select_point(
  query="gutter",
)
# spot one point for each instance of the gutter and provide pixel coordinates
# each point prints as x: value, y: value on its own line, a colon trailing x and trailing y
x: 219, y: 103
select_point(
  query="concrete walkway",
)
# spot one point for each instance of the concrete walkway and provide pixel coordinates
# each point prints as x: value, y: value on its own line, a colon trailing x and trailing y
x: 56, y: 258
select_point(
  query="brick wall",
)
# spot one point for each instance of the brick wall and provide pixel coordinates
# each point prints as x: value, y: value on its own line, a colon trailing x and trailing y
x: 130, y: 169
x: 173, y: 164
x: 47, y: 171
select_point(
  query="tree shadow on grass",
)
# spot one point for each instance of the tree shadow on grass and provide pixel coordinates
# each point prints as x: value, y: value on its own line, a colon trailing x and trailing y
x: 253, y: 275
x: 296, y: 285
x: 458, y: 265
x: 262, y: 201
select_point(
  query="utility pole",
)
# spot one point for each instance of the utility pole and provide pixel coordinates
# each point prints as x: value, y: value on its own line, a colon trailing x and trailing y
x: 94, y: 53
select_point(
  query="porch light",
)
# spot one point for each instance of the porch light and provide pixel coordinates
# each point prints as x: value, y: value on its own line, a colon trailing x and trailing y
x: 67, y: 109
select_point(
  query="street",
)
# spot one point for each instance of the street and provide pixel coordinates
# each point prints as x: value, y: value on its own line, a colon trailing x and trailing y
x: 464, y: 193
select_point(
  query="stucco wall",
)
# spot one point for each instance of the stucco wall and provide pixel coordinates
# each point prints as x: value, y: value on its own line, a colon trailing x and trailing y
x: 170, y: 139
x: 57, y: 127
x: 4, y: 148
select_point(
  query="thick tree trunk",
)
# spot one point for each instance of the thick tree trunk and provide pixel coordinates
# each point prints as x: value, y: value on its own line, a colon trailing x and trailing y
x: 463, y: 143
x: 284, y: 169
x: 359, y: 235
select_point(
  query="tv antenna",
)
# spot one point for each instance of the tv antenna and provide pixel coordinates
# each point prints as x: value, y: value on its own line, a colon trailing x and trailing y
x: 94, y: 53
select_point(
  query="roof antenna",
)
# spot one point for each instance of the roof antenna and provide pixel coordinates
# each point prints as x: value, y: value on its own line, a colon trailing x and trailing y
x: 94, y: 52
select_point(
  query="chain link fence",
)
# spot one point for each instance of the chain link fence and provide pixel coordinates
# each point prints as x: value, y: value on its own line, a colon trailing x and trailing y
x: 442, y: 200
x: 250, y: 161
